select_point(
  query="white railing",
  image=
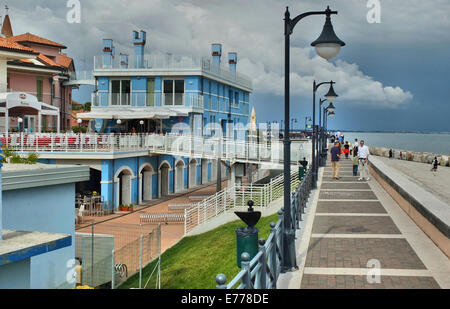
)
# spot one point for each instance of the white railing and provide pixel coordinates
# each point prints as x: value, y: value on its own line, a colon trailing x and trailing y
x: 173, y: 63
x: 146, y: 99
x: 237, y: 197
x: 172, y: 144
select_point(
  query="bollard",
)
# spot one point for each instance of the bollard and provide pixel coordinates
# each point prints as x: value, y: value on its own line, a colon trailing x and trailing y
x: 247, y: 237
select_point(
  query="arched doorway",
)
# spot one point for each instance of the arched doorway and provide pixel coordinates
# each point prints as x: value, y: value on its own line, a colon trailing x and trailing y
x: 124, y: 187
x: 192, y: 173
x: 146, y: 185
x: 163, y: 179
x: 204, y: 171
x: 179, y: 176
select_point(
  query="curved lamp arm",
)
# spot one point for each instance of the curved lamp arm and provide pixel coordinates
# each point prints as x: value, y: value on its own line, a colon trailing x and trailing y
x: 289, y: 23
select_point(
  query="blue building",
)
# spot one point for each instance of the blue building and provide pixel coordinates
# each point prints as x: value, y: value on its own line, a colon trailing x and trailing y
x: 161, y: 94
x: 37, y: 225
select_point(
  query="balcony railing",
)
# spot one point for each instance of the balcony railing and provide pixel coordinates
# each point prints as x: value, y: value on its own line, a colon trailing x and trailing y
x: 174, y: 63
x: 172, y: 144
x: 147, y: 99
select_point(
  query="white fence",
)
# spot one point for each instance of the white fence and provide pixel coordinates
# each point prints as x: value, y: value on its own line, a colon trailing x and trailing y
x: 237, y: 196
x: 172, y: 144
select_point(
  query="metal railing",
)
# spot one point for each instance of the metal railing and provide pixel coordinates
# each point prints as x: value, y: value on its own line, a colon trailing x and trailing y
x: 172, y: 63
x: 143, y: 99
x: 263, y: 270
x: 236, y: 196
x: 172, y: 144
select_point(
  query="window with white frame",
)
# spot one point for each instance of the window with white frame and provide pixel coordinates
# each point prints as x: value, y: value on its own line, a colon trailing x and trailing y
x: 120, y: 92
x: 173, y: 90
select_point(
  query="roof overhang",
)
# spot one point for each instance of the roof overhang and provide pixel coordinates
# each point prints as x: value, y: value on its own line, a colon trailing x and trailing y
x: 133, y: 113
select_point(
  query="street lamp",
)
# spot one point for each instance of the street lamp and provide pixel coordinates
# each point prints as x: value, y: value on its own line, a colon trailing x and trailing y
x: 79, y: 121
x: 119, y: 121
x: 327, y: 46
x: 20, y: 120
x: 319, y: 146
x: 331, y: 97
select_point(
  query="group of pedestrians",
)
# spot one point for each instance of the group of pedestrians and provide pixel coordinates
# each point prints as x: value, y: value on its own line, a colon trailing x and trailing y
x: 360, y: 153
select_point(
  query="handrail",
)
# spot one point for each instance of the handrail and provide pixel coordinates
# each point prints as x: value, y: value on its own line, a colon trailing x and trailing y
x: 262, y: 271
x: 172, y: 144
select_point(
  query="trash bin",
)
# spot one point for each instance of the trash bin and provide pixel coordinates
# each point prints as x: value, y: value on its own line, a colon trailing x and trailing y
x: 301, y: 172
x: 246, y: 241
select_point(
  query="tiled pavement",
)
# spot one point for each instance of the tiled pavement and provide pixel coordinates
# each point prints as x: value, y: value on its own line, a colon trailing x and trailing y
x: 351, y: 233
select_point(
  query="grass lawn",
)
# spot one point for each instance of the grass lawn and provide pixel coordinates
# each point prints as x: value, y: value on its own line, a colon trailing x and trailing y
x: 194, y: 262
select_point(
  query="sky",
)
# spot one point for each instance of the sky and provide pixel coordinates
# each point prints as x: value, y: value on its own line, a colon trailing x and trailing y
x: 391, y: 75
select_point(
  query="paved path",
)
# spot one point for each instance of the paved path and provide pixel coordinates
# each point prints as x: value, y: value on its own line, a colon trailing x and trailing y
x: 437, y: 183
x: 358, y: 226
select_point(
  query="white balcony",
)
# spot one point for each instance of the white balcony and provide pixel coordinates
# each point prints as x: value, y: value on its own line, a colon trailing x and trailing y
x: 168, y: 63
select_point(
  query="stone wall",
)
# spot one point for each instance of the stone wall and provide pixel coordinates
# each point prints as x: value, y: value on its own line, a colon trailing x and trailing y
x: 422, y: 157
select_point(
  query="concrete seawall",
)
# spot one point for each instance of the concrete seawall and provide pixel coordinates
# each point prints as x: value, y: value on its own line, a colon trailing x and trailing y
x: 422, y: 157
x: 431, y: 214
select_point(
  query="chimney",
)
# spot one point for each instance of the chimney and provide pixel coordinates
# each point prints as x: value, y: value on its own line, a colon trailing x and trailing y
x: 232, y: 61
x: 139, y: 39
x: 108, y: 53
x: 123, y: 61
x: 216, y: 50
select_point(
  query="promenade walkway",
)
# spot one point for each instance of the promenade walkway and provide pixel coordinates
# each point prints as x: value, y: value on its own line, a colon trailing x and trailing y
x: 355, y: 226
x: 436, y: 183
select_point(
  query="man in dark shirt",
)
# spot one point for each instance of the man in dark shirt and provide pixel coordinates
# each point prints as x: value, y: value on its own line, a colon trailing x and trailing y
x: 335, y: 157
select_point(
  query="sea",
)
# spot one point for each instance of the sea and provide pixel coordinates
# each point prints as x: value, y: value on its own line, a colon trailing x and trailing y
x: 438, y: 143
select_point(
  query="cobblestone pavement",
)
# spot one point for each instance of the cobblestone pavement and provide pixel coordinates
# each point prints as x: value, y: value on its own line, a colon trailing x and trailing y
x: 357, y: 244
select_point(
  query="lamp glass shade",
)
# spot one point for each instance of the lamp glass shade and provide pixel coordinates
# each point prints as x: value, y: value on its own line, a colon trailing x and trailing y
x: 119, y: 121
x: 79, y: 120
x: 141, y: 122
x: 331, y: 108
x: 331, y: 96
x: 328, y: 50
x: 331, y: 114
x: 19, y: 120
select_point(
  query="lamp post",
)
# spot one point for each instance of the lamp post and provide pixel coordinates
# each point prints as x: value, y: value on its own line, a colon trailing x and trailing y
x: 20, y: 120
x: 306, y: 122
x: 293, y: 120
x: 326, y: 112
x: 327, y: 46
x: 320, y: 147
x: 79, y: 121
x: 330, y: 97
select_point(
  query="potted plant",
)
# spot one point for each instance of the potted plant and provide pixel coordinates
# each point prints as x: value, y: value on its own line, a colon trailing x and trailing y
x: 130, y: 207
x: 122, y: 207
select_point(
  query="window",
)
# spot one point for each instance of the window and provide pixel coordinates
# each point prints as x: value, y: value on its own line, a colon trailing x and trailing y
x: 150, y: 92
x: 173, y: 92
x: 39, y: 89
x: 120, y: 92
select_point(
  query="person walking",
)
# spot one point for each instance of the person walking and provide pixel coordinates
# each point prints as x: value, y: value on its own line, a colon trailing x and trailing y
x: 335, y: 157
x: 401, y: 155
x: 434, y: 165
x: 355, y: 147
x: 355, y: 164
x: 363, y: 155
x: 390, y: 154
x: 346, y: 149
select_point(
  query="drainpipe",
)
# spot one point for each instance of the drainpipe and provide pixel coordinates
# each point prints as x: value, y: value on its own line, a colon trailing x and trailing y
x: 137, y: 181
x: 173, y: 174
x: 113, y: 187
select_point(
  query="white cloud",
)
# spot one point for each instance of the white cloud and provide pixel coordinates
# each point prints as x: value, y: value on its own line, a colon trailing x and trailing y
x: 254, y: 29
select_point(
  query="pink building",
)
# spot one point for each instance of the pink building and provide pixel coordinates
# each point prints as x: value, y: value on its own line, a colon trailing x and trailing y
x: 43, y: 77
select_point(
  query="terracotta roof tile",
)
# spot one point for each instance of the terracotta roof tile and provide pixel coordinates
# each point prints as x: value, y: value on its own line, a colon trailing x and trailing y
x: 6, y: 44
x: 64, y: 60
x: 48, y: 61
x: 28, y: 37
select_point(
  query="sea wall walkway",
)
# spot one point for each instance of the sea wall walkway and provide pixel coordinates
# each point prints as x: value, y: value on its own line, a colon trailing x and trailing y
x: 357, y: 236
